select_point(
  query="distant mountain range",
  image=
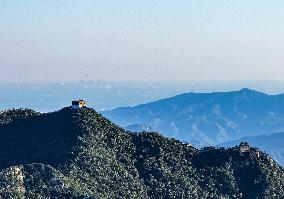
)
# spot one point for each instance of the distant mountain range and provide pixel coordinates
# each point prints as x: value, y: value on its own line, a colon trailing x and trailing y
x: 105, y: 95
x: 272, y: 144
x: 79, y: 154
x: 208, y: 118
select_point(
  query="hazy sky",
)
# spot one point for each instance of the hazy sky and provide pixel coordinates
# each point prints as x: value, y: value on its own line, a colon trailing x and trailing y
x: 57, y: 40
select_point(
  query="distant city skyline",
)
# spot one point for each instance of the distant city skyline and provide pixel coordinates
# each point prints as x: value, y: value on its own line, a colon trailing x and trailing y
x: 141, y: 40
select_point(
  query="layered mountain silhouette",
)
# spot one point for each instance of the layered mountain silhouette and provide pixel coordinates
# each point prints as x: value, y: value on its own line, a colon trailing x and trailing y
x: 80, y: 154
x: 272, y: 144
x: 208, y: 118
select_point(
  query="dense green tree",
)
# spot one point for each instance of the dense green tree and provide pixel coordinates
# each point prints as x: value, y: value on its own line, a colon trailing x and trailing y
x: 80, y: 154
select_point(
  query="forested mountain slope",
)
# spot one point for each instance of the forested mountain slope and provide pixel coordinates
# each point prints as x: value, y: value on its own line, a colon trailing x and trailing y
x: 80, y: 154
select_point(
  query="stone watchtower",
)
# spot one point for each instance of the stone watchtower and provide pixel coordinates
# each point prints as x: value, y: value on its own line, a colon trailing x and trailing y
x: 78, y: 104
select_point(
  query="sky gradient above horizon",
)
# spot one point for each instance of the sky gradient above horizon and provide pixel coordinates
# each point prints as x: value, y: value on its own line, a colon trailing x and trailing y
x: 141, y: 40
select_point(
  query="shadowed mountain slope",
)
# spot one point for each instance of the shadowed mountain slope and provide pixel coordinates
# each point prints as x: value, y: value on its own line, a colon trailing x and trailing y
x: 80, y: 154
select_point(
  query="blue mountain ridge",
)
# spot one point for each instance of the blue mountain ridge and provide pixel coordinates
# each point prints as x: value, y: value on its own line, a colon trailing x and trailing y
x: 208, y: 118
